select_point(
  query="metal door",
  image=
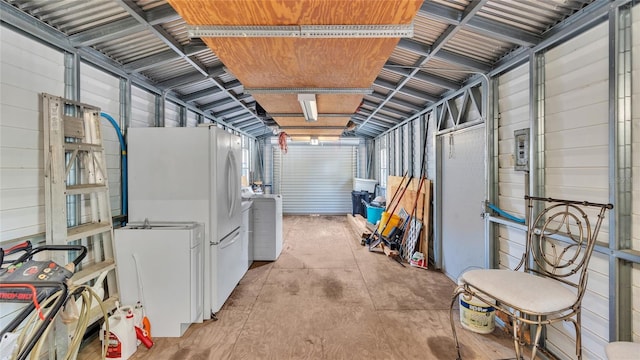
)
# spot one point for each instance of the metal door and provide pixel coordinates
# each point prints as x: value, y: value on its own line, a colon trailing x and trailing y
x: 463, y: 188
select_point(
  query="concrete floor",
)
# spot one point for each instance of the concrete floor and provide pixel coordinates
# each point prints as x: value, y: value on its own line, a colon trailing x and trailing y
x: 328, y: 297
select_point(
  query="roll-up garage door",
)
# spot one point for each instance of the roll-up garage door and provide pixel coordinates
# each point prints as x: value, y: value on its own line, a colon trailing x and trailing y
x: 577, y: 166
x: 315, y: 179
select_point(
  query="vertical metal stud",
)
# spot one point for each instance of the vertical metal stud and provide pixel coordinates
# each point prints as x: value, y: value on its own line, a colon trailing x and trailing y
x: 620, y: 188
x: 72, y: 76
x: 537, y: 124
x: 160, y: 103
x: 491, y: 167
x: 125, y: 104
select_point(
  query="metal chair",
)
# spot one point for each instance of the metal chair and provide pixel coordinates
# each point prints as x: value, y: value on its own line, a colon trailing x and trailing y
x: 548, y: 284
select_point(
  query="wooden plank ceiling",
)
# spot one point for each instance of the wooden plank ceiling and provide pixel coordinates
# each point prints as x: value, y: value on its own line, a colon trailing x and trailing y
x: 282, y: 62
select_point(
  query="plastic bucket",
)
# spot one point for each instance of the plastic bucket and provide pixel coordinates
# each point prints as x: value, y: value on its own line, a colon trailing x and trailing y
x: 477, y: 316
x: 373, y: 214
x: 392, y: 220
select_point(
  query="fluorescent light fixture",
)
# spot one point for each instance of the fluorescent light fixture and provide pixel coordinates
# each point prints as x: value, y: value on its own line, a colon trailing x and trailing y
x: 314, y: 140
x: 309, y: 106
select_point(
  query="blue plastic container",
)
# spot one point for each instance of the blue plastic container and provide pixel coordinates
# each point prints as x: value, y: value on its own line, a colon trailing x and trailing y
x: 374, y: 213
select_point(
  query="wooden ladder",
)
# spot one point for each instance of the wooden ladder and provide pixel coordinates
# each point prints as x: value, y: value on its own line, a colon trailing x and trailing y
x: 77, y: 207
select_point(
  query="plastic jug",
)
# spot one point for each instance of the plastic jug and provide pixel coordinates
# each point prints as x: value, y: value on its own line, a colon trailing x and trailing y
x: 122, y: 342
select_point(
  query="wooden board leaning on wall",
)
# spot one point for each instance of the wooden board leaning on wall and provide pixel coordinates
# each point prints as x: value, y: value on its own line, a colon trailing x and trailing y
x: 423, y: 212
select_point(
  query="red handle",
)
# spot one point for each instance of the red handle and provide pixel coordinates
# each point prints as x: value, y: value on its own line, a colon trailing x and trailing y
x: 21, y: 246
x: 146, y: 340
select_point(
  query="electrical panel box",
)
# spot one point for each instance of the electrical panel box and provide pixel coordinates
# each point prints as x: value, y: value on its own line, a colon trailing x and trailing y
x: 521, y: 151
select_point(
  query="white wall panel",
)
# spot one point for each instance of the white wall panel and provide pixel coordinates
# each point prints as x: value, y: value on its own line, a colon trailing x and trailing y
x: 143, y: 108
x: 171, y: 114
x: 513, y: 109
x: 192, y: 119
x: 27, y: 68
x: 101, y: 89
x: 576, y: 159
x: 635, y: 216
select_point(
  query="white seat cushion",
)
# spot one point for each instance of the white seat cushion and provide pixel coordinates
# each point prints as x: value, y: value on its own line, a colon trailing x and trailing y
x: 528, y: 292
x: 622, y: 350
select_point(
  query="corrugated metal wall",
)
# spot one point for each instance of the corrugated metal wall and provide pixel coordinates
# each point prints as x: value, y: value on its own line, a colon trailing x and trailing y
x: 28, y: 68
x: 171, y: 114
x: 577, y: 165
x: 192, y: 119
x: 100, y: 89
x: 143, y: 108
x: 407, y: 149
x: 315, y: 179
x: 635, y: 219
x: 513, y: 109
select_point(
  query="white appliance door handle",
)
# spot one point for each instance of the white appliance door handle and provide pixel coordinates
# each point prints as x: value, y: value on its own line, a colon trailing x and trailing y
x: 235, y: 237
x: 229, y: 195
x: 232, y: 182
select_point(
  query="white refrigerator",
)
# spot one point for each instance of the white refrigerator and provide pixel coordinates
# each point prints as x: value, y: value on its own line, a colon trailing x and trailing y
x: 192, y: 174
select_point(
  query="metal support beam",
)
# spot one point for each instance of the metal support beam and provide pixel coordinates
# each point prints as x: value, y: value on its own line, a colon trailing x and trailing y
x: 237, y: 119
x: 229, y: 112
x: 462, y: 61
x: 250, y: 127
x: 302, y: 31
x: 316, y: 90
x: 233, y: 84
x: 185, y: 80
x: 274, y: 115
x: 161, y: 14
x: 382, y: 117
x: 417, y: 75
x: 388, y: 110
x: 487, y: 27
x: 398, y: 102
x: 200, y: 94
x: 502, y: 32
x: 473, y: 7
x: 152, y: 61
x: 406, y: 90
x: 218, y: 103
x: 139, y: 15
x: 107, y: 32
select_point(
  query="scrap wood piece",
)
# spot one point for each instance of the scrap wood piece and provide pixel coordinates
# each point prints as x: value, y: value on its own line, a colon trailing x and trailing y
x: 388, y: 251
